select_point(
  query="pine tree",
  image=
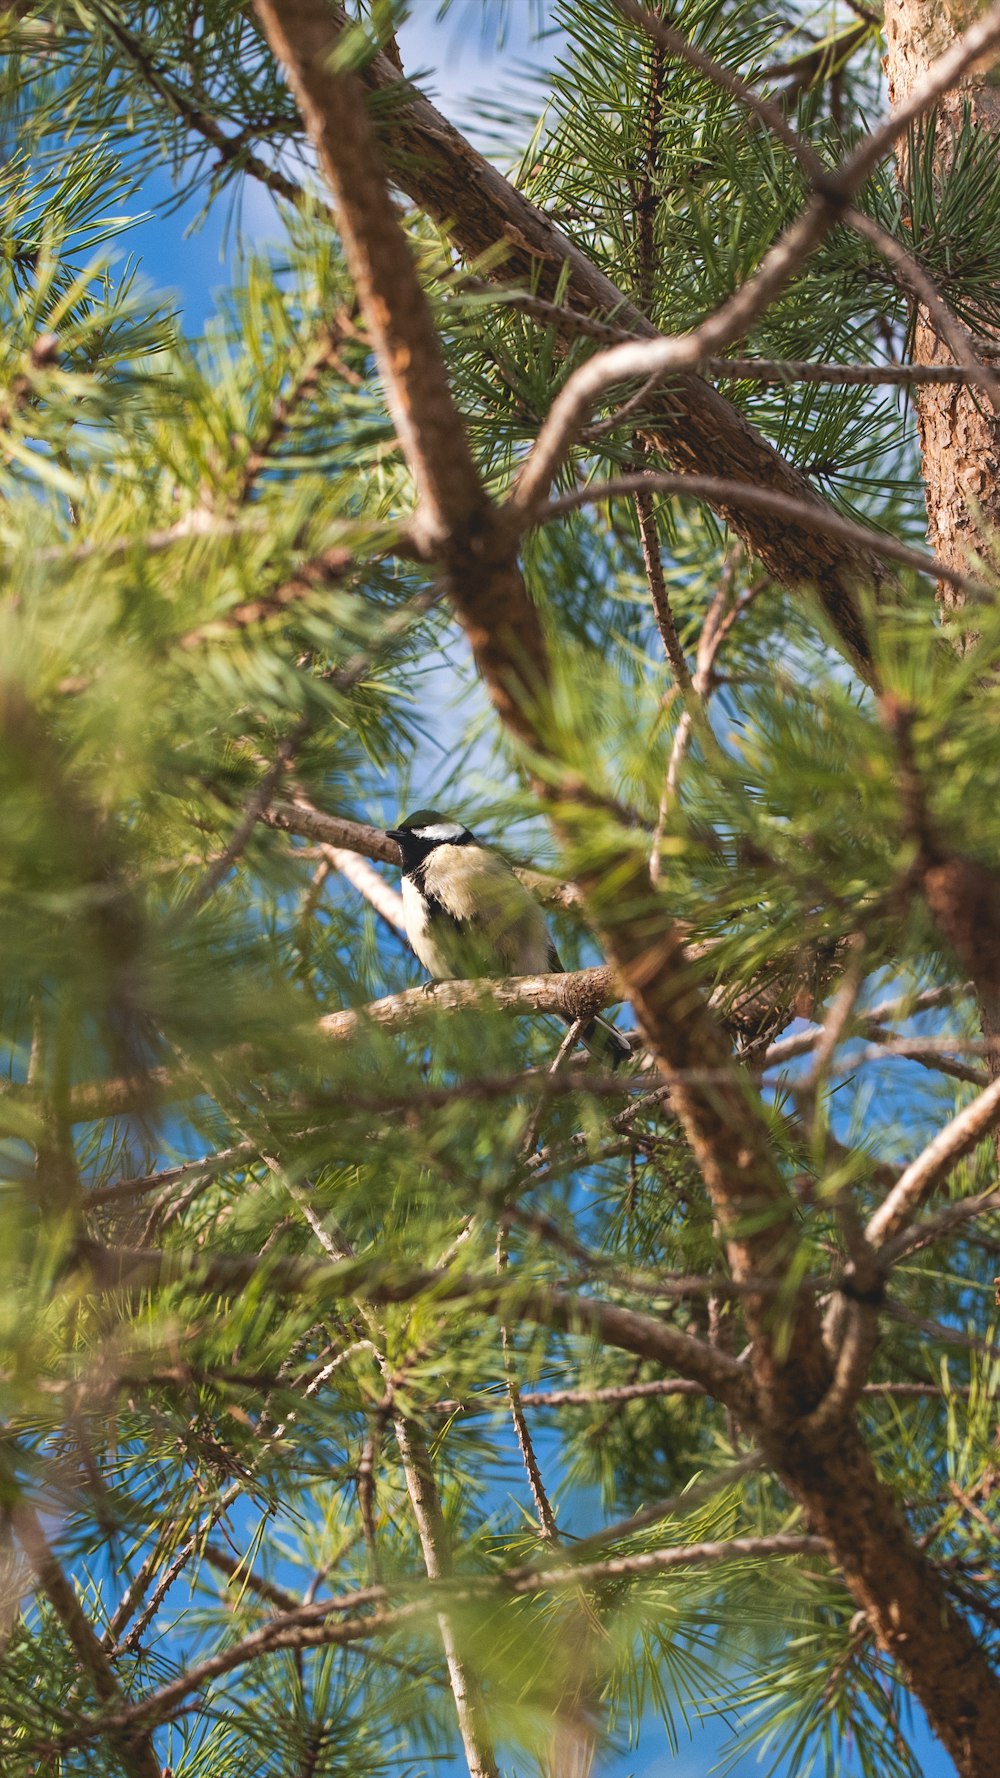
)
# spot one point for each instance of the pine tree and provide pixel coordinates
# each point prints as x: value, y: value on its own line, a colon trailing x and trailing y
x: 383, y: 1378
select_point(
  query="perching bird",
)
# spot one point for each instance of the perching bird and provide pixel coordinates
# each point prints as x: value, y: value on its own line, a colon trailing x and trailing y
x: 467, y: 914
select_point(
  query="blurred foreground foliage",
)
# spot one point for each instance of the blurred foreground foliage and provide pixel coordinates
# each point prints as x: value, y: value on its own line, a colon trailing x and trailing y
x: 204, y: 615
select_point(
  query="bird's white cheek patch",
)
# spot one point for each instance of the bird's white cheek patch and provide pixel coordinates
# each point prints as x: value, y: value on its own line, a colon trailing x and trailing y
x: 441, y: 830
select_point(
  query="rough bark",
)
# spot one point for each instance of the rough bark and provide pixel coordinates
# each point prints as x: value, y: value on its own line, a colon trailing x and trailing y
x: 959, y: 435
x: 959, y: 432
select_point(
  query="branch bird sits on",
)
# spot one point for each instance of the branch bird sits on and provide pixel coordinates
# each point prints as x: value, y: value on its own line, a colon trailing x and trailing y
x: 467, y: 914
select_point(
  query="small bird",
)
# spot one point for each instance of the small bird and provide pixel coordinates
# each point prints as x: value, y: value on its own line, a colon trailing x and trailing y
x: 467, y: 914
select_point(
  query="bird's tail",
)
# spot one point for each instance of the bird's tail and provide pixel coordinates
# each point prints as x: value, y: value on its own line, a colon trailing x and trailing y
x: 605, y: 1043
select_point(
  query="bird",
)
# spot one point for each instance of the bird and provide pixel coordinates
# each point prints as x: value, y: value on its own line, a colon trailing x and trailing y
x: 466, y: 914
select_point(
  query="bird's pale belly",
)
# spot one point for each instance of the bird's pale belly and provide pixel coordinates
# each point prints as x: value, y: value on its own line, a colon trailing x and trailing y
x: 453, y: 948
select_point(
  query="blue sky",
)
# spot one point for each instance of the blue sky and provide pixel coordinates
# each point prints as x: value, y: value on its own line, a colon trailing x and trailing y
x: 466, y: 75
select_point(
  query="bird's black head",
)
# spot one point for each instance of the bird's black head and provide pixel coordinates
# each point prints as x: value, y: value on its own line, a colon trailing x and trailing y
x: 420, y: 833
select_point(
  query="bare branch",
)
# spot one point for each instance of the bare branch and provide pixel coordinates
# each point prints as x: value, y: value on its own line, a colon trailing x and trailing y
x: 376, y: 891
x: 610, y: 1395
x: 691, y: 1555
x: 436, y: 1547
x: 301, y: 817
x: 952, y: 1217
x: 803, y: 370
x: 766, y: 500
x: 911, y: 275
x: 574, y: 995
x: 750, y: 370
x: 717, y: 624
x: 658, y: 590
x: 144, y: 1183
x: 911, y: 1191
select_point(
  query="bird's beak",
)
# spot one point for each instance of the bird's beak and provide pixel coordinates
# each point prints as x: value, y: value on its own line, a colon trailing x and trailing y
x: 394, y: 833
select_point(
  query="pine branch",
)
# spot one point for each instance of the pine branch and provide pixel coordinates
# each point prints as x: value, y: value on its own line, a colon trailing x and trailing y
x: 190, y: 109
x: 301, y: 1630
x: 382, y: 1282
x: 764, y: 110
x: 432, y: 1533
x: 129, y: 1737
x: 727, y: 1135
x: 918, y: 284
x: 455, y: 519
x: 695, y: 427
x: 619, y: 1394
x: 832, y: 191
x: 934, y: 1228
x: 662, y: 1561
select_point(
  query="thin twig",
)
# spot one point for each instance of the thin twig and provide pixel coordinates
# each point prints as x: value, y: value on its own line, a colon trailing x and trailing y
x: 232, y: 151
x: 716, y: 626
x: 764, y: 110
x: 839, y: 1015
x: 783, y: 371
x: 658, y: 590
x: 722, y: 490
x: 911, y: 274
x: 675, y: 1506
x: 938, y: 1330
x: 432, y: 1531
x: 388, y: 904
x: 525, y: 1443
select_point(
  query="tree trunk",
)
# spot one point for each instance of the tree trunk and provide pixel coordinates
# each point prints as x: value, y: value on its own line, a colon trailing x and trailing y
x: 958, y: 429
x: 959, y: 432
